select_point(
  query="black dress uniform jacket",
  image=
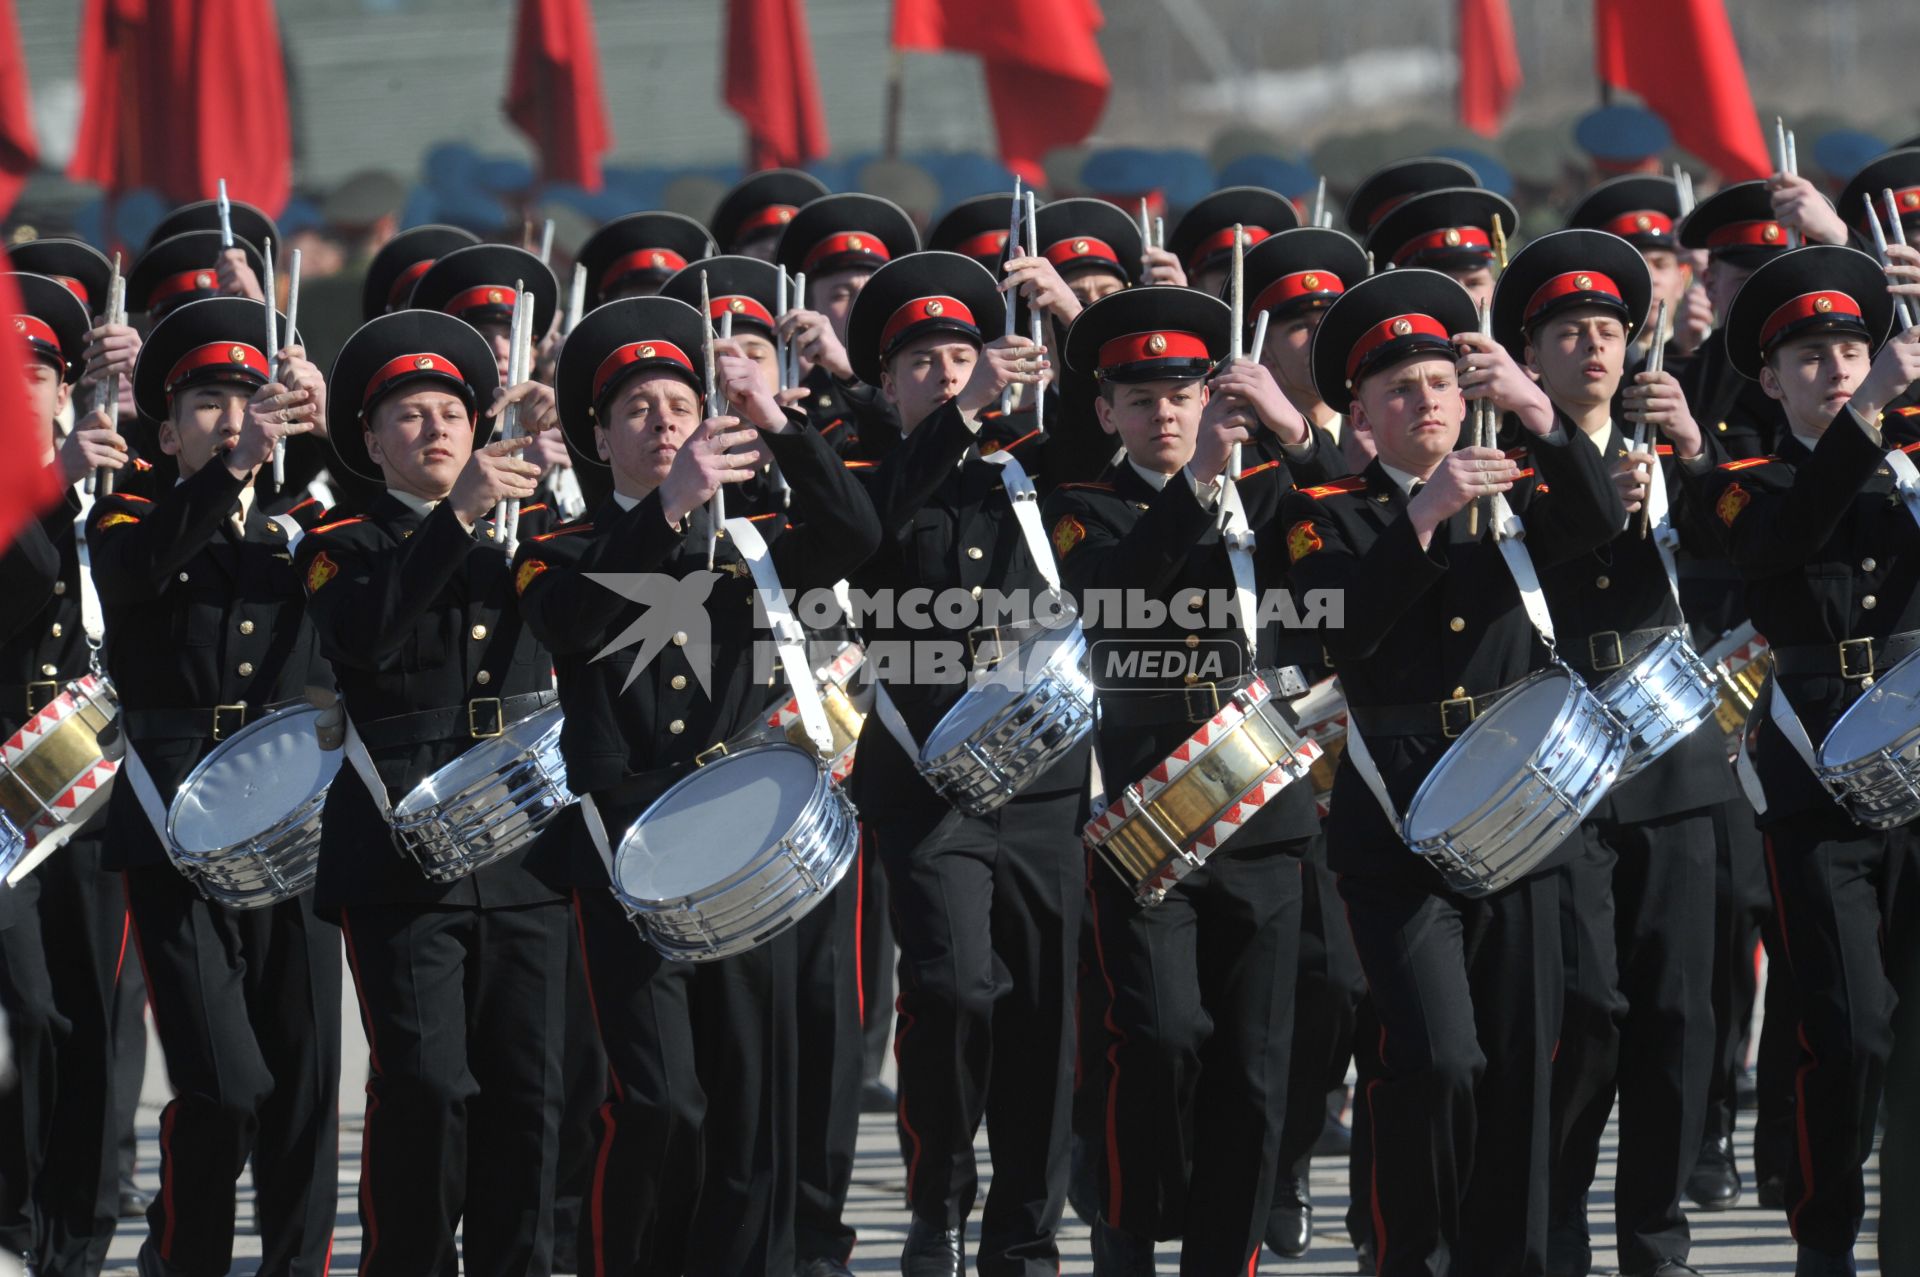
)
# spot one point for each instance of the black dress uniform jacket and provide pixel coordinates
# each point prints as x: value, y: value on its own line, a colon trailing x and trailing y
x: 1421, y: 623
x: 417, y: 613
x: 205, y: 614
x: 47, y: 644
x: 636, y: 739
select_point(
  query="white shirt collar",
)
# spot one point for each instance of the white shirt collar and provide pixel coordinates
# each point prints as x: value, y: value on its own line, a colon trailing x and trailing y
x: 1810, y: 442
x: 419, y: 505
x: 1599, y: 438
x: 1400, y: 477
x: 1154, y: 478
x: 626, y: 502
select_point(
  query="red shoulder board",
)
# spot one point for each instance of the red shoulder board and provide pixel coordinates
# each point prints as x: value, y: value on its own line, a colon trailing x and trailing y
x: 1663, y: 449
x: 1907, y: 412
x: 328, y: 527
x: 566, y: 531
x: 528, y: 509
x: 141, y: 463
x: 134, y: 496
x: 1514, y: 454
x: 1748, y: 463
x: 1089, y: 487
x: 1352, y: 483
x: 301, y: 505
x: 1253, y: 470
x: 762, y: 518
x: 858, y: 465
x: 1528, y: 474
x: 1009, y: 447
x: 835, y: 424
x: 1911, y: 447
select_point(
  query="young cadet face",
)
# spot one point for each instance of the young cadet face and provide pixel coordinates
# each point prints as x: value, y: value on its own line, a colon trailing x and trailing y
x: 46, y: 393
x: 760, y: 350
x: 643, y: 427
x: 1477, y: 280
x: 925, y: 373
x: 499, y: 336
x: 1670, y: 279
x: 1213, y: 280
x: 833, y: 295
x: 1157, y: 421
x: 1579, y: 354
x: 1288, y: 355
x: 1723, y: 280
x: 420, y: 439
x: 1814, y: 376
x: 203, y: 423
x: 1414, y: 411
x: 1091, y: 284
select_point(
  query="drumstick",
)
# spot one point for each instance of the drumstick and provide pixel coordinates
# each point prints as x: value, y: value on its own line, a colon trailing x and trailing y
x: 799, y: 303
x: 1035, y: 320
x: 1656, y: 362
x: 293, y: 318
x: 1236, y: 326
x: 107, y: 394
x: 273, y: 345
x: 546, y: 242
x: 1783, y: 145
x: 1320, y: 202
x: 1012, y: 298
x: 226, y: 216
x: 576, y: 299
x: 1880, y: 250
x: 1480, y: 421
x: 1146, y: 226
x: 716, y: 505
x: 780, y: 283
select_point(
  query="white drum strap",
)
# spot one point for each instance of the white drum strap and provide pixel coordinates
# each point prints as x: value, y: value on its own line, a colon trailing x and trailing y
x: 143, y: 788
x: 1363, y: 763
x: 1743, y: 768
x: 789, y: 639
x: 92, y: 619
x: 891, y: 720
x: 1906, y: 481
x: 1660, y: 526
x: 1790, y: 725
x: 1238, y: 537
x: 568, y: 501
x: 356, y: 750
x: 290, y: 526
x: 597, y: 832
x: 1026, y: 512
x: 1509, y: 535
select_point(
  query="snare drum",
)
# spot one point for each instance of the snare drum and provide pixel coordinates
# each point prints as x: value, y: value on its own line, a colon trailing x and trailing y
x: 13, y: 846
x: 735, y: 853
x: 845, y: 718
x: 246, y: 823
x: 1322, y: 714
x: 1165, y: 825
x: 1870, y: 760
x: 1741, y: 674
x: 1516, y: 783
x: 1660, y: 697
x: 1008, y: 729
x: 488, y: 803
x: 54, y: 774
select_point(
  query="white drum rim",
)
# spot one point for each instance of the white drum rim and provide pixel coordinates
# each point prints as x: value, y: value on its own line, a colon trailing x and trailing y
x: 283, y: 714
x: 1073, y: 640
x: 420, y: 800
x: 1907, y: 663
x: 1561, y: 719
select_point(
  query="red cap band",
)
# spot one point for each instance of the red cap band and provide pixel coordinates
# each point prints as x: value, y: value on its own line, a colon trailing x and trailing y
x: 235, y: 356
x: 73, y: 286
x: 846, y: 242
x: 401, y: 367
x: 1392, y: 329
x: 1908, y: 198
x: 985, y: 244
x: 475, y: 298
x: 193, y: 281
x: 1447, y: 239
x: 1223, y: 239
x: 1826, y: 304
x: 1137, y: 347
x: 1302, y: 283
x: 772, y: 217
x: 1079, y: 248
x: 740, y: 308
x: 663, y: 260
x: 403, y: 282
x: 633, y: 353
x: 1645, y: 221
x: 1574, y: 281
x: 40, y: 338
x: 1748, y: 235
x: 921, y: 309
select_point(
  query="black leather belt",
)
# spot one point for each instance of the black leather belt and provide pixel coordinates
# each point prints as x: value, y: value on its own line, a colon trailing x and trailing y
x: 1446, y: 718
x: 481, y: 718
x: 211, y: 722
x: 30, y: 698
x: 1608, y: 650
x: 1192, y: 704
x: 1848, y: 658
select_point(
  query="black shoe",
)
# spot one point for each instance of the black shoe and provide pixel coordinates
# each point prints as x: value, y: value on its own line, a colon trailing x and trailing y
x: 823, y: 1267
x: 1290, y: 1222
x: 133, y: 1202
x: 1083, y: 1180
x: 1665, y: 1268
x: 1363, y: 1256
x: 1820, y: 1263
x: 1118, y: 1254
x: 933, y: 1250
x: 877, y: 1097
x: 1715, y: 1182
x: 1569, y: 1249
x: 1335, y: 1139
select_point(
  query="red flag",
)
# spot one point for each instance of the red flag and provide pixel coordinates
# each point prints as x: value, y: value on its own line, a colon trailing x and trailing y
x: 18, y: 151
x: 771, y: 84
x: 1046, y: 77
x: 1679, y: 56
x: 1489, y: 64
x: 553, y: 95
x: 26, y: 486
x: 178, y: 94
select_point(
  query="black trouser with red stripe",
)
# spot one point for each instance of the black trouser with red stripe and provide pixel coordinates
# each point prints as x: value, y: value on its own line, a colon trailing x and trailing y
x: 1638, y: 1023
x: 1468, y: 997
x: 59, y: 962
x: 1328, y: 988
x: 247, y: 1006
x: 1198, y: 1033
x: 464, y: 1011
x: 1742, y: 916
x: 1848, y: 902
x: 583, y: 1088
x: 695, y: 1173
x: 987, y: 912
x: 831, y: 1042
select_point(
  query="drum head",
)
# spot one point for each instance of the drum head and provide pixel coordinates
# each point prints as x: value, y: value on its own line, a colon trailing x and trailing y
x: 484, y: 759
x: 251, y: 782
x: 987, y: 699
x: 722, y: 819
x: 1885, y: 716
x: 1488, y: 755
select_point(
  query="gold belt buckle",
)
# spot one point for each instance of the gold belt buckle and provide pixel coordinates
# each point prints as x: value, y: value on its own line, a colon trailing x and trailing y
x: 39, y: 692
x: 1447, y: 729
x: 974, y: 644
x: 499, y: 718
x: 711, y: 752
x: 1204, y: 713
x: 1597, y: 643
x: 220, y: 729
x: 1846, y: 648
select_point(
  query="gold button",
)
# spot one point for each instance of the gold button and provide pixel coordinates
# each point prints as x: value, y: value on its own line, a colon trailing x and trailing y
x: 1602, y: 582
x: 1867, y: 565
x: 483, y: 678
x: 1869, y: 603
x: 975, y: 591
x: 57, y: 629
x: 678, y: 682
x: 1192, y: 679
x: 1193, y: 640
x: 1723, y: 425
x: 479, y: 632
x: 1866, y: 682
x: 1458, y: 692
x: 1457, y: 624
x: 48, y: 671
x: 975, y: 552
x: 59, y: 587
x: 679, y: 638
x: 246, y: 627
x: 183, y: 576
x: 676, y: 727
x: 246, y: 669
x: 824, y: 400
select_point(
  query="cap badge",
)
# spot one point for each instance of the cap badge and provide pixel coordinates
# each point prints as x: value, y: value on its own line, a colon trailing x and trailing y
x: 1401, y: 327
x: 495, y: 296
x: 1583, y: 281
x: 203, y: 280
x: 1080, y: 246
x: 1771, y: 234
x: 1643, y: 223
x: 785, y: 215
x: 1910, y: 200
x: 19, y: 324
x: 1311, y: 281
x: 855, y: 242
x: 238, y: 354
x: 646, y: 352
x: 935, y: 308
x: 424, y: 362
x: 1452, y: 237
x: 1823, y: 304
x: 657, y: 259
x: 736, y: 305
x: 1156, y: 344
